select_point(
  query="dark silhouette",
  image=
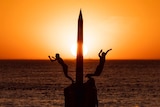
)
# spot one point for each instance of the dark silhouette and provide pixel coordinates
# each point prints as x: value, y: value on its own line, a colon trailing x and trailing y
x: 99, y: 68
x: 85, y: 96
x: 81, y: 94
x: 65, y: 67
x: 90, y: 93
x: 79, y: 57
x: 70, y: 96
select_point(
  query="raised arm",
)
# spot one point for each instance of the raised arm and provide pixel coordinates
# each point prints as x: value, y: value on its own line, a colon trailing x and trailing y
x: 52, y: 59
x: 108, y: 50
x: 99, y: 54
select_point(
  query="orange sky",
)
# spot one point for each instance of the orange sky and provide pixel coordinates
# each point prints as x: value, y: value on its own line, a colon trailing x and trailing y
x: 34, y: 29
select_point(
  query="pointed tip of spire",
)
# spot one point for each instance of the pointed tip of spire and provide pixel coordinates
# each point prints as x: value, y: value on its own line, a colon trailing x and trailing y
x: 80, y: 10
x: 80, y: 14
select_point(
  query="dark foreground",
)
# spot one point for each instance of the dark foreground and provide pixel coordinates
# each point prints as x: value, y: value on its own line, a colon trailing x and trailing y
x: 41, y: 83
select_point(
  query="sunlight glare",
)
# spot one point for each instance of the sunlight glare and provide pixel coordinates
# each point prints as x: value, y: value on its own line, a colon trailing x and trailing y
x: 74, y: 50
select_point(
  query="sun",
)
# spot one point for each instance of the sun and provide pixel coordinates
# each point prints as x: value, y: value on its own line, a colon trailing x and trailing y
x: 74, y: 49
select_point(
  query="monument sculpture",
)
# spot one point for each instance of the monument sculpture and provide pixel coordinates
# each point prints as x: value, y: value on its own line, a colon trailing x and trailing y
x: 80, y: 94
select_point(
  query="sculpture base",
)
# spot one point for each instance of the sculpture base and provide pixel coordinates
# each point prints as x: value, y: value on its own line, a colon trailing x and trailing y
x: 81, y: 96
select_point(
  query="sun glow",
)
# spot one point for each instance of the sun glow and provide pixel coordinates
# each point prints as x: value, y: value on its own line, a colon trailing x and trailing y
x: 32, y: 30
x: 74, y: 50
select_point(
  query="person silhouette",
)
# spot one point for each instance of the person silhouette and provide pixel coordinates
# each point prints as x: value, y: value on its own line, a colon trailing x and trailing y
x: 65, y: 67
x: 100, y: 66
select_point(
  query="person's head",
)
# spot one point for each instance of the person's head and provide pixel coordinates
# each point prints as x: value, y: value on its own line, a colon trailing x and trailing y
x: 103, y: 53
x: 57, y: 55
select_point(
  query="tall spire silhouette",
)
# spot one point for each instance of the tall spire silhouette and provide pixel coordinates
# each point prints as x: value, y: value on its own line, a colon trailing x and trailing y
x: 81, y: 94
x: 80, y: 16
x: 79, y: 59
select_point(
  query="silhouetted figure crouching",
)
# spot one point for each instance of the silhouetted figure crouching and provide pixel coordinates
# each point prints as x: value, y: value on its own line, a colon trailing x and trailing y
x: 99, y: 68
x: 65, y: 67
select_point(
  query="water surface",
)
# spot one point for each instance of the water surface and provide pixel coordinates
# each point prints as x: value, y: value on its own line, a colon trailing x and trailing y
x: 40, y: 83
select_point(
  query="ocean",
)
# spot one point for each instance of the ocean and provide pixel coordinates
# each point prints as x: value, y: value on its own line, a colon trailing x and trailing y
x: 41, y: 83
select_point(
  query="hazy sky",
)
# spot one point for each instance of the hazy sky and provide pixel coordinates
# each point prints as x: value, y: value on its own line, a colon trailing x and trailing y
x: 34, y: 29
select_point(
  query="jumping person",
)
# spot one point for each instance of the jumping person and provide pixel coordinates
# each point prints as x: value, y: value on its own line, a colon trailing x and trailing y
x: 100, y: 66
x: 65, y: 67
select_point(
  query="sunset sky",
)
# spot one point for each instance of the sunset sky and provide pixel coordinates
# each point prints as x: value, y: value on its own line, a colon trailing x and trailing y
x: 34, y: 29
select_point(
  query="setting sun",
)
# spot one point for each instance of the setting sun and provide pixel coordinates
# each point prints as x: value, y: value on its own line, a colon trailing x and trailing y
x: 32, y: 29
x: 74, y: 50
x: 80, y: 53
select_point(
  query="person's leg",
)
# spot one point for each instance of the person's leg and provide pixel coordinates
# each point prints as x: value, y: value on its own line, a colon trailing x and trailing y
x: 65, y: 70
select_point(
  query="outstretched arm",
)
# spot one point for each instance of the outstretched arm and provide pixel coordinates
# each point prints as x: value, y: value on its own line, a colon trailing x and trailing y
x: 108, y: 50
x: 52, y: 59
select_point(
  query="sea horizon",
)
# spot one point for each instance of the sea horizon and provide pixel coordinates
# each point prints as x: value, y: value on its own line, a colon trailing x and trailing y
x: 85, y: 59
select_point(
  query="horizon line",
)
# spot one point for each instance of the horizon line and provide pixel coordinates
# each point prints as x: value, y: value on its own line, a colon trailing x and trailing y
x: 84, y: 59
